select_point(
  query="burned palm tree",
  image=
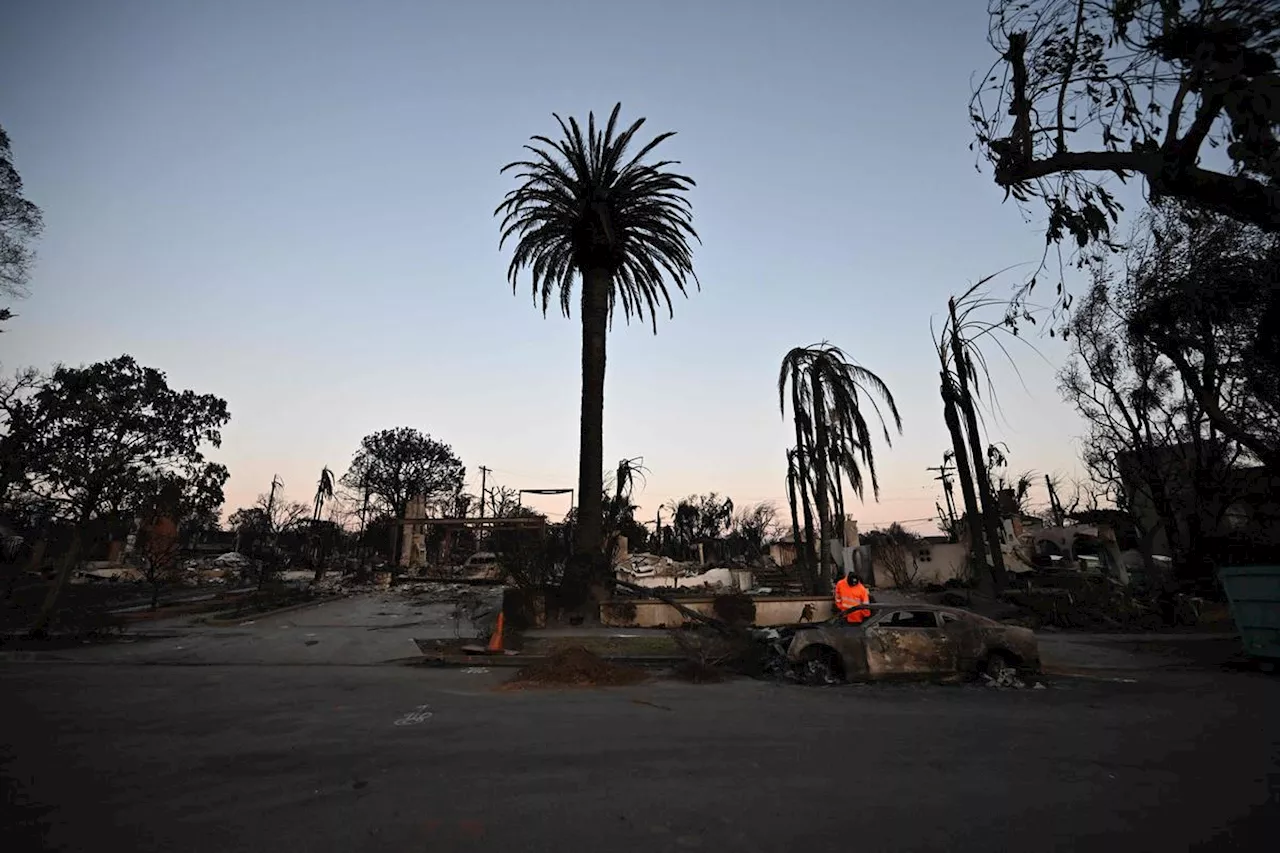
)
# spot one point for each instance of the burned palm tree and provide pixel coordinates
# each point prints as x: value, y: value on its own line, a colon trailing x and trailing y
x: 324, y: 492
x: 618, y: 508
x: 963, y: 370
x: 587, y: 212
x: 828, y: 392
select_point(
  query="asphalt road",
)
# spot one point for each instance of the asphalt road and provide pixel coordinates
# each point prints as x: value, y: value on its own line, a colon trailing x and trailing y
x: 280, y: 758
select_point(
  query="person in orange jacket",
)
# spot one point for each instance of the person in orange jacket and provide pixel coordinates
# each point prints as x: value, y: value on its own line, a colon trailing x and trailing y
x: 850, y: 592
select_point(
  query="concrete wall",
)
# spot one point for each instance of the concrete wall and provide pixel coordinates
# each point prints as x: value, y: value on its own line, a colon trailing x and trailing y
x: 648, y: 613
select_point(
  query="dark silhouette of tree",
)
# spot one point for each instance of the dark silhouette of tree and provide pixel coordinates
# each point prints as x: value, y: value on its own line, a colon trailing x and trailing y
x: 17, y: 430
x: 1204, y: 291
x: 619, y: 511
x: 799, y: 485
x: 1168, y: 373
x: 587, y: 211
x: 20, y: 226
x: 828, y: 391
x: 104, y: 434
x: 754, y: 527
x: 963, y: 369
x: 1085, y: 89
x: 324, y: 492
x: 396, y: 465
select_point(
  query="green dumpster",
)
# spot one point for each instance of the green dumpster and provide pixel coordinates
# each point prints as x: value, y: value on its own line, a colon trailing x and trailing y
x: 1254, y: 593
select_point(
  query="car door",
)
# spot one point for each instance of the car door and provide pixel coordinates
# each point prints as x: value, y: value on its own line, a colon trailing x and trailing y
x: 965, y: 636
x: 909, y: 642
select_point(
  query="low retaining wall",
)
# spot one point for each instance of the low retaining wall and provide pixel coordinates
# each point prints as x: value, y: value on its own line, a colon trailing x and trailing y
x: 651, y: 613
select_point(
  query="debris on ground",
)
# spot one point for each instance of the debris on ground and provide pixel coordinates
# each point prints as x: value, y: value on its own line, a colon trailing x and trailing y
x: 1007, y: 678
x: 575, y: 667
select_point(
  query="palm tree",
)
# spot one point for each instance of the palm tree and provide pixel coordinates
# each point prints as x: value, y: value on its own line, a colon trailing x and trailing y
x: 324, y: 492
x: 585, y: 210
x: 962, y: 364
x: 832, y: 437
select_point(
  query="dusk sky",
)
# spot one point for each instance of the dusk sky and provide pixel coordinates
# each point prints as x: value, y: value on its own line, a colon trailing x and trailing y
x: 289, y: 204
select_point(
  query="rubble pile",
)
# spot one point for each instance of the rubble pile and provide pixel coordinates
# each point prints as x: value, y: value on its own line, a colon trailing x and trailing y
x: 575, y: 667
x: 651, y: 565
x: 1081, y: 601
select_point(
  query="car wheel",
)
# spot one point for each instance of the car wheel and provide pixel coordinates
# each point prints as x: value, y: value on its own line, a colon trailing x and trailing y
x: 1000, y: 670
x: 997, y: 664
x: 819, y: 667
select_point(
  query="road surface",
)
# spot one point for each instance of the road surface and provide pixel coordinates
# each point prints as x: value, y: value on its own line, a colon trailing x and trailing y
x: 194, y: 756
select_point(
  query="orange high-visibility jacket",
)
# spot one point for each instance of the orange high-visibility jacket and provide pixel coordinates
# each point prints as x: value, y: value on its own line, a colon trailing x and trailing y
x: 851, y: 596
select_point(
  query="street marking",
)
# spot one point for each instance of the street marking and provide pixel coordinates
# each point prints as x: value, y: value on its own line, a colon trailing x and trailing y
x: 420, y: 714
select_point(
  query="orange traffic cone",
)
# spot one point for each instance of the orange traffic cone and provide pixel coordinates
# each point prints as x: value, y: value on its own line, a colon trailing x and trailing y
x: 495, y: 639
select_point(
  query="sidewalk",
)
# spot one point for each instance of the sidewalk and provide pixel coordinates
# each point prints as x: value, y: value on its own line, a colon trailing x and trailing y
x: 361, y: 630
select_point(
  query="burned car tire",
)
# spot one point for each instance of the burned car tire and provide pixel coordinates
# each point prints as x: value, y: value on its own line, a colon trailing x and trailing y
x: 820, y: 666
x: 999, y: 665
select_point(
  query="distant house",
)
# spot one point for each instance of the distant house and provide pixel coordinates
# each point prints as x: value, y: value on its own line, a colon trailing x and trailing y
x: 783, y: 551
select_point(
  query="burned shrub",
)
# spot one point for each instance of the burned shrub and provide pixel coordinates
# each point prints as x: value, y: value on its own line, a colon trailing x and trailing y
x: 620, y: 611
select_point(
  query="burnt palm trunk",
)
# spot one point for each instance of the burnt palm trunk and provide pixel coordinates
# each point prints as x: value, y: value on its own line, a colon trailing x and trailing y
x: 810, y: 583
x: 823, y: 487
x: 837, y: 482
x: 990, y: 513
x: 589, y: 538
x: 802, y: 469
x: 965, y: 474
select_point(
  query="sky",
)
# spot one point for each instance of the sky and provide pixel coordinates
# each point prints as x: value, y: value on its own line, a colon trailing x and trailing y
x: 290, y: 204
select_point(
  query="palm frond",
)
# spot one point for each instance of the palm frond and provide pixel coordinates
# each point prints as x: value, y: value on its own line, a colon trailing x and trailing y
x: 582, y: 204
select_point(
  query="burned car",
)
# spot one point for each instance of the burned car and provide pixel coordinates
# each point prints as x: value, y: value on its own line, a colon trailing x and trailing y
x: 915, y: 640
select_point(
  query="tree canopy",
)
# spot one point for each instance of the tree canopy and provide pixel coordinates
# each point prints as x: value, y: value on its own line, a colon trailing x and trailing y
x: 584, y: 204
x: 20, y: 225
x: 112, y: 435
x: 396, y: 465
x: 1084, y: 89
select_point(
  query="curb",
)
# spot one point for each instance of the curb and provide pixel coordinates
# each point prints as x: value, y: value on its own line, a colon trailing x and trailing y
x: 231, y: 622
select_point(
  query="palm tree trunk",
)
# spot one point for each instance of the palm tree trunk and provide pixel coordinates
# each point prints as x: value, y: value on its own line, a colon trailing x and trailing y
x: 589, y: 539
x: 964, y: 473
x: 810, y: 583
x: 802, y: 468
x: 811, y: 569
x: 990, y: 512
x: 838, y: 482
x: 822, y: 468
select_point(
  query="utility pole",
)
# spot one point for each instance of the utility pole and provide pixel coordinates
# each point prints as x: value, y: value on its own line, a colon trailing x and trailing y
x: 1054, y: 504
x: 276, y: 483
x: 944, y: 474
x: 484, y: 473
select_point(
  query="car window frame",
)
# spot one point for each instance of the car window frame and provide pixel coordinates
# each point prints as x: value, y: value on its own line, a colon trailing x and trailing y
x: 885, y: 623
